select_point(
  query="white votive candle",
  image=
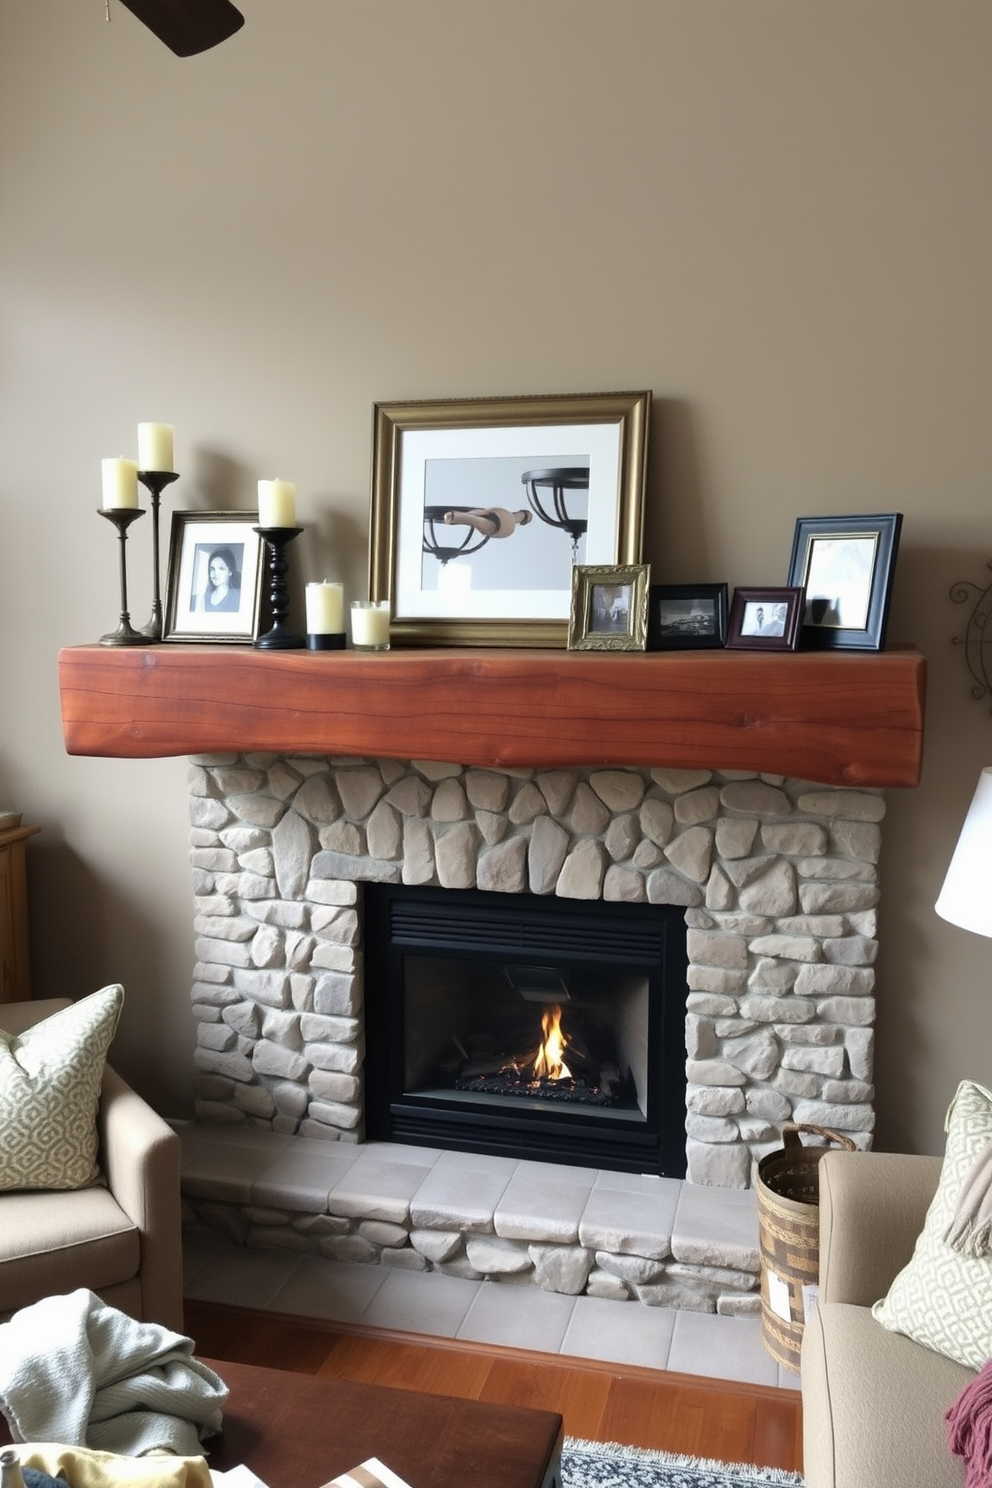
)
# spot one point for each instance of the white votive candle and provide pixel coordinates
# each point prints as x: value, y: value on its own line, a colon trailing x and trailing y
x: 325, y: 608
x: 155, y: 447
x: 120, y: 483
x: 276, y: 503
x: 370, y: 624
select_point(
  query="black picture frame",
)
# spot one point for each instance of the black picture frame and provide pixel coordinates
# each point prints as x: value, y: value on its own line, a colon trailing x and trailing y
x: 765, y: 619
x: 846, y: 566
x: 687, y: 617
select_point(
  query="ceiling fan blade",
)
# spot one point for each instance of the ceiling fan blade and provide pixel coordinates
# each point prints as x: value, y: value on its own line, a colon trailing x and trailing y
x: 188, y: 26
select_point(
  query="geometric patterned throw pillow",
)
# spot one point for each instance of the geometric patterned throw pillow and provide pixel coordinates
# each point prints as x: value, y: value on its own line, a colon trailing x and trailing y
x: 49, y: 1092
x: 943, y: 1298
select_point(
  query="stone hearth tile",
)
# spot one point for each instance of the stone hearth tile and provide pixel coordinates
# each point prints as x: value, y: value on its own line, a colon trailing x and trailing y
x: 620, y: 1332
x: 461, y: 1192
x: 235, y: 1274
x: 722, y: 1348
x: 716, y: 1227
x: 226, y: 1170
x: 301, y: 1178
x: 336, y: 1291
x: 378, y: 1185
x: 421, y: 1157
x: 544, y: 1202
x: 517, y: 1317
x: 635, y: 1217
x: 421, y: 1302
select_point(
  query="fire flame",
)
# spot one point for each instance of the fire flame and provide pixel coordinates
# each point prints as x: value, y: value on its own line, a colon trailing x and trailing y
x: 549, y: 1063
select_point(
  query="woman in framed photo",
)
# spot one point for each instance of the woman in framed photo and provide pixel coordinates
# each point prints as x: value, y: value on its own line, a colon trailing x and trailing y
x: 223, y: 587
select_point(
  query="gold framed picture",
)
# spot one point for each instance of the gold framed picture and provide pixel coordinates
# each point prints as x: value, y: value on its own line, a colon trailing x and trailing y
x: 609, y: 609
x: 481, y: 507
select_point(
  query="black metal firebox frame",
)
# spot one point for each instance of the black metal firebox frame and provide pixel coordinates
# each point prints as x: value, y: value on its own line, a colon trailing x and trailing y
x: 642, y: 939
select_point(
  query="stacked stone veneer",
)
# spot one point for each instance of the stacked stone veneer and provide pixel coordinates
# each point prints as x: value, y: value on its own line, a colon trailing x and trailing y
x: 779, y: 882
x: 778, y: 878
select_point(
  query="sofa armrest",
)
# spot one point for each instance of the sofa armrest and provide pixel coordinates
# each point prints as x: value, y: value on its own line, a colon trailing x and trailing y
x: 140, y: 1157
x: 872, y: 1208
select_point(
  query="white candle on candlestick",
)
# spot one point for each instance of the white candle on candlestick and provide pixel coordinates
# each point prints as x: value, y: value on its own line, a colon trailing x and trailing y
x: 325, y: 608
x: 155, y: 447
x: 120, y: 483
x: 276, y: 503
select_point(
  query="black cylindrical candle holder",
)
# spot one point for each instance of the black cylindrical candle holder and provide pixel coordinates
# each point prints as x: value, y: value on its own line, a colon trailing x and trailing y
x: 334, y: 640
x: 279, y: 637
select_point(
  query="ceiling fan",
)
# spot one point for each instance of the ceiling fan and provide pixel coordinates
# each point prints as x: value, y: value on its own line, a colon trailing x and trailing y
x: 187, y: 26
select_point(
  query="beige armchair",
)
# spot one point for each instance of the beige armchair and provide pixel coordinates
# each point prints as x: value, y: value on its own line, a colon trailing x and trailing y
x: 873, y: 1401
x: 122, y: 1241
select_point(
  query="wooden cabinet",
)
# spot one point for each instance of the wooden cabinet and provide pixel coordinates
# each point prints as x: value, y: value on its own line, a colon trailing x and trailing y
x: 15, y: 970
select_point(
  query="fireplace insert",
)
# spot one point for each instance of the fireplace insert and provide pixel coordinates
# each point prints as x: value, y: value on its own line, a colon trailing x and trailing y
x: 526, y: 1026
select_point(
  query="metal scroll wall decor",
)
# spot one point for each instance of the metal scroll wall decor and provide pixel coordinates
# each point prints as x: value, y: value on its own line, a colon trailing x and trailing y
x: 977, y: 635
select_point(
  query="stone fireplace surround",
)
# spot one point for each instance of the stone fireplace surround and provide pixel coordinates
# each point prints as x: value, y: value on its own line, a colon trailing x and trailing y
x: 778, y: 878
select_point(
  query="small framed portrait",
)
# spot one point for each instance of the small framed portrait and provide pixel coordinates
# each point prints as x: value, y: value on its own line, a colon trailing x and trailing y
x: 765, y: 619
x: 687, y: 617
x: 214, y: 584
x: 846, y: 566
x: 609, y: 607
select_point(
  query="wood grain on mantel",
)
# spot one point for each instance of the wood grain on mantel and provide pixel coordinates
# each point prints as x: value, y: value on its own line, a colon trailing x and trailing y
x: 840, y: 718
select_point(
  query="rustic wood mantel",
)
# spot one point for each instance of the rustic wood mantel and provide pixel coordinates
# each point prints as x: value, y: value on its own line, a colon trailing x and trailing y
x: 839, y: 718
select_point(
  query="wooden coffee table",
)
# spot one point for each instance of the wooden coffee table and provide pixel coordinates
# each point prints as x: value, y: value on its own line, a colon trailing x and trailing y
x: 300, y: 1431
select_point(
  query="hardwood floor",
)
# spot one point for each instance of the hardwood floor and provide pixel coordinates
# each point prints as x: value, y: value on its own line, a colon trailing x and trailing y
x: 601, y: 1402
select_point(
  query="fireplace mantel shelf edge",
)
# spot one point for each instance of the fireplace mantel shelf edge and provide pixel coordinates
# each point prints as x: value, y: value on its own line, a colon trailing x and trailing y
x: 838, y: 718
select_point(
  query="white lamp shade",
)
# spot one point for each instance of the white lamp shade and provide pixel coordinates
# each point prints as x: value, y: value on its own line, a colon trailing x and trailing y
x: 966, y: 897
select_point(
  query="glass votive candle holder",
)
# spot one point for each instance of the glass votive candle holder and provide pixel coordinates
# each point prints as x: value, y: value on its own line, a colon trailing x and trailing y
x: 370, y: 624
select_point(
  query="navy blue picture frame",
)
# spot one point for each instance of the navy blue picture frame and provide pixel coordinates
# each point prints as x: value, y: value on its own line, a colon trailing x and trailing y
x: 845, y: 563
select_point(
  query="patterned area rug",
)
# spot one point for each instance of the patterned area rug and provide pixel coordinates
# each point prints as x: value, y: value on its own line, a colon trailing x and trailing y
x: 605, y: 1465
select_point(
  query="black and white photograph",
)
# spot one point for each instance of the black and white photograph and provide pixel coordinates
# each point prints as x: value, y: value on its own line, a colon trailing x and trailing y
x: 609, y: 608
x: 765, y: 619
x: 687, y: 617
x: 214, y: 583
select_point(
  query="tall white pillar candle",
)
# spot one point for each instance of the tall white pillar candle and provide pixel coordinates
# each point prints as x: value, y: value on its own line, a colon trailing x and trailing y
x: 155, y: 447
x: 120, y: 483
x: 276, y: 503
x: 325, y: 608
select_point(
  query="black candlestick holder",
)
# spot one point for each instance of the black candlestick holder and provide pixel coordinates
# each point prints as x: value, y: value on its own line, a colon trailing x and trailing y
x: 125, y: 634
x: 279, y: 637
x: 155, y: 482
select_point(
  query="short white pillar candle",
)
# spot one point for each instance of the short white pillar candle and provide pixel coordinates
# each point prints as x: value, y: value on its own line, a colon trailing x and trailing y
x: 120, y: 483
x: 370, y: 624
x: 276, y: 503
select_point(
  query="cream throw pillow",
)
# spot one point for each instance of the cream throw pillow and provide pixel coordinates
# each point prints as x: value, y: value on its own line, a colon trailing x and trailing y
x: 49, y: 1091
x: 943, y: 1298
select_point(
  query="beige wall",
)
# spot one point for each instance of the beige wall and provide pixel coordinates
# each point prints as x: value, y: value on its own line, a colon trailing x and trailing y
x: 775, y: 213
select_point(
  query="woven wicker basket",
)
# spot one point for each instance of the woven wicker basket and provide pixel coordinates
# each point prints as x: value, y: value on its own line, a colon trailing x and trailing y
x: 789, y: 1233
